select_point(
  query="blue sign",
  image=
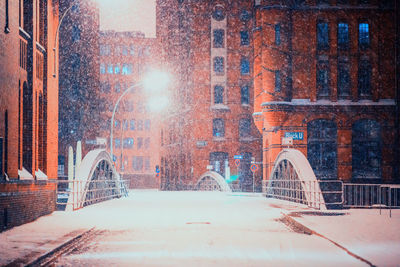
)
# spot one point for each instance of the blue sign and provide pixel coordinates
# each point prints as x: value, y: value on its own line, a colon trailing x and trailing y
x: 295, y: 135
x: 238, y: 157
x: 114, y: 158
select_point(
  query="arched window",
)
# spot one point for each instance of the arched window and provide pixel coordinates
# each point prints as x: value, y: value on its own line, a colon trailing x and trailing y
x: 366, y: 149
x: 322, y: 148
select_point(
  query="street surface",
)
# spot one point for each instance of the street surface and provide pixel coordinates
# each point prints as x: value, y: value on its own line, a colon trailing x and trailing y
x: 152, y: 228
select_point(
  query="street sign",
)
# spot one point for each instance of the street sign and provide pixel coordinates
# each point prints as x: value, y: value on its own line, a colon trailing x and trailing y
x: 238, y: 157
x: 295, y: 135
x: 254, y: 168
x: 157, y: 175
x: 237, y: 162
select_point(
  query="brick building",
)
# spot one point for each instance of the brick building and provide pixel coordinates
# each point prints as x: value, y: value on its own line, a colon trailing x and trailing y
x: 208, y: 48
x: 125, y: 57
x: 324, y: 73
x: 28, y: 110
x: 79, y: 115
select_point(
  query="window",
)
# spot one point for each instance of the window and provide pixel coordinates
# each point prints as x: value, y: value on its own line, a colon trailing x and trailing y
x: 245, y: 173
x: 219, y: 160
x: 364, y: 78
x: 146, y: 51
x: 218, y: 94
x: 105, y: 87
x: 128, y: 106
x: 117, y: 143
x: 147, y: 125
x: 218, y: 13
x: 366, y: 149
x: 125, y: 50
x: 147, y: 143
x: 126, y: 69
x: 76, y: 33
x: 244, y: 128
x: 218, y: 128
x: 323, y: 79
x: 140, y: 125
x: 102, y: 68
x: 278, y: 82
x: 277, y: 34
x: 117, y: 69
x: 343, y: 79
x: 132, y: 125
x: 322, y: 148
x: 322, y: 35
x: 117, y: 124
x: 244, y: 66
x: 343, y: 35
x: 147, y: 164
x: 105, y: 50
x: 117, y: 87
x: 132, y: 50
x: 245, y: 15
x: 139, y: 142
x: 128, y: 142
x: 219, y: 65
x: 244, y: 94
x: 137, y: 163
x: 125, y: 124
x: 363, y: 35
x: 244, y: 38
x: 219, y: 36
x: 117, y: 50
x: 110, y: 69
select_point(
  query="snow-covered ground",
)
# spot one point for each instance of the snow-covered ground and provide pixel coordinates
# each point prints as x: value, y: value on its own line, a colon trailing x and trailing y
x: 203, y: 229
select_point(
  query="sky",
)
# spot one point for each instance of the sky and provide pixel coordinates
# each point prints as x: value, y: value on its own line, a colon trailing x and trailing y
x: 128, y: 15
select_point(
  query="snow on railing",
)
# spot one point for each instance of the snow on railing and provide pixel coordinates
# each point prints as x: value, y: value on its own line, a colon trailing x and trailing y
x: 76, y: 194
x: 305, y: 192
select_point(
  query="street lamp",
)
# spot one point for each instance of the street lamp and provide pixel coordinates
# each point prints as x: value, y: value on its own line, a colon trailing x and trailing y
x: 154, y: 82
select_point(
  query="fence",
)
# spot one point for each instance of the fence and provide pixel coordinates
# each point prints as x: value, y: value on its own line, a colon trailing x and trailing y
x: 309, y: 193
x: 76, y: 194
x: 371, y: 196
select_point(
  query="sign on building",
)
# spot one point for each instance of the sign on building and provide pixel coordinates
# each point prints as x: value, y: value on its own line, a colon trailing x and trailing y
x: 295, y: 135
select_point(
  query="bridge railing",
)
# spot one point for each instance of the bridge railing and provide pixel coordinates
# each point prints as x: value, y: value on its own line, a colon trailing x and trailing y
x: 76, y: 194
x: 305, y: 192
x: 371, y: 196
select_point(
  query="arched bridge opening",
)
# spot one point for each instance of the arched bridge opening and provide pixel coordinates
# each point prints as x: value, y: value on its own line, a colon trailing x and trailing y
x: 212, y: 181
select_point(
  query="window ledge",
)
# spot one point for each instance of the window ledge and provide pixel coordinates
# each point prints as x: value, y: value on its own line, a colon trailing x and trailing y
x: 246, y: 139
x: 219, y: 139
x: 219, y: 107
x: 24, y: 174
x: 40, y: 175
x: 245, y: 105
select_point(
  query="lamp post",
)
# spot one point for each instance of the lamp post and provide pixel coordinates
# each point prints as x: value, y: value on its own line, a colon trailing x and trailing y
x: 155, y: 82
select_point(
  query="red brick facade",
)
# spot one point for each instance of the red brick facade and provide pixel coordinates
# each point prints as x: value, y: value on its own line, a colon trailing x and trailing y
x: 208, y: 48
x: 125, y: 58
x: 28, y: 110
x: 325, y: 69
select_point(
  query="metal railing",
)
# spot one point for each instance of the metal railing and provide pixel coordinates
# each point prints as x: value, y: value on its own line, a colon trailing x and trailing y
x: 371, y: 196
x: 305, y: 192
x: 76, y: 194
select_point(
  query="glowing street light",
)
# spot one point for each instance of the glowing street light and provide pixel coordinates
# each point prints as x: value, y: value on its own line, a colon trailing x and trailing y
x: 154, y: 82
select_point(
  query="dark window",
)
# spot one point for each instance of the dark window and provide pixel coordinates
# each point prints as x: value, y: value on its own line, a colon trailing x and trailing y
x: 105, y: 50
x: 219, y: 13
x: 277, y: 34
x: 363, y: 35
x: 245, y: 15
x: 244, y: 94
x: 139, y: 142
x: 117, y: 124
x: 117, y: 69
x: 244, y: 128
x: 364, y: 78
x: 117, y: 87
x: 244, y: 66
x: 322, y: 35
x: 323, y: 79
x: 110, y: 69
x: 147, y: 125
x: 366, y: 149
x: 132, y: 125
x: 219, y: 160
x: 128, y: 142
x: 343, y: 79
x: 245, y: 174
x: 219, y: 64
x: 102, y: 68
x: 125, y: 50
x: 244, y: 38
x: 218, y: 94
x: 278, y: 81
x: 75, y: 62
x: 219, y: 36
x: 76, y: 33
x: 125, y: 124
x: 147, y: 143
x: 322, y: 148
x: 140, y: 125
x: 218, y: 128
x: 343, y: 35
x: 105, y: 87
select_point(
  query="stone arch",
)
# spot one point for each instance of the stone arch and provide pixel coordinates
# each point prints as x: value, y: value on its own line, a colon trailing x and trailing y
x: 215, y: 182
x: 302, y: 172
x: 97, y: 164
